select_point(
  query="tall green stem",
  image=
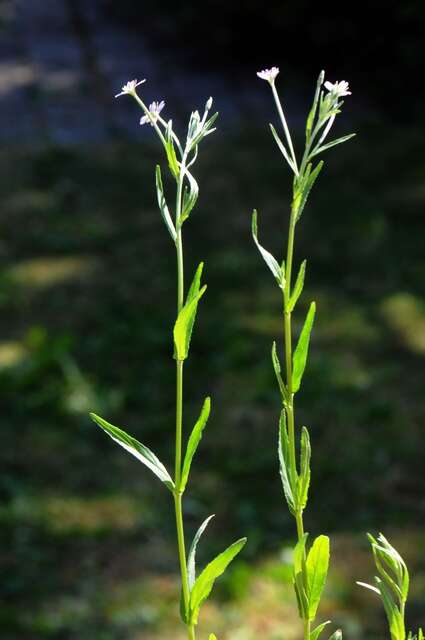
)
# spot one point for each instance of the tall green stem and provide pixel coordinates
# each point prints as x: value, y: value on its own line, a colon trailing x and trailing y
x: 289, y: 408
x: 179, y: 408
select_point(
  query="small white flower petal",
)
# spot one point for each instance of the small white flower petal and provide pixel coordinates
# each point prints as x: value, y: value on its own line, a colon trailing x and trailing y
x: 155, y: 109
x: 268, y: 74
x: 338, y: 89
x: 130, y: 87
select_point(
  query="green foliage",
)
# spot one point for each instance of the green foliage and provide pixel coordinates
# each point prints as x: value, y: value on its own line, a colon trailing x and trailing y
x: 392, y: 584
x: 186, y: 318
x: 193, y: 442
x: 310, y: 572
x: 205, y: 581
x: 317, y: 571
x: 298, y: 286
x: 301, y: 350
x: 270, y: 261
x: 315, y: 633
x: 137, y: 449
x: 163, y: 204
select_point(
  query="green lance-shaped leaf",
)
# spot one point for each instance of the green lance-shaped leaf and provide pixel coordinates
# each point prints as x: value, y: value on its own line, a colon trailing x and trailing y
x: 298, y: 286
x: 282, y: 148
x: 304, y: 477
x: 193, y: 442
x: 288, y: 482
x: 298, y: 578
x: 205, y: 581
x: 312, y: 114
x: 137, y: 449
x: 314, y: 635
x: 191, y: 558
x: 170, y: 151
x: 301, y: 351
x: 212, y: 636
x: 277, y: 369
x: 307, y: 187
x: 317, y: 570
x: 190, y: 197
x: 337, y: 635
x: 394, y: 615
x: 186, y: 318
x: 270, y: 261
x: 163, y: 205
x: 333, y: 143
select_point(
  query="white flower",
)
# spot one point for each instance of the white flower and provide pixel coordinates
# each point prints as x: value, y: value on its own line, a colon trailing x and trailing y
x: 130, y: 87
x: 268, y: 74
x: 155, y: 109
x: 338, y: 89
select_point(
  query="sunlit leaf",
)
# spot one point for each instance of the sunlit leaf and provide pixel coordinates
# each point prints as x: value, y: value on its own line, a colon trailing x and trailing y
x: 333, y: 143
x: 317, y: 569
x: 205, y: 581
x: 191, y: 558
x: 288, y: 482
x: 137, y: 449
x: 163, y: 205
x: 282, y: 148
x: 270, y: 261
x: 186, y: 318
x: 301, y: 351
x: 298, y: 286
x: 193, y: 442
x: 318, y: 630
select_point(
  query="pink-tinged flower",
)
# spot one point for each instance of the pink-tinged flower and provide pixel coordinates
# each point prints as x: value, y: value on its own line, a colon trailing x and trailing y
x: 268, y: 74
x: 155, y: 109
x: 130, y: 87
x: 338, y: 89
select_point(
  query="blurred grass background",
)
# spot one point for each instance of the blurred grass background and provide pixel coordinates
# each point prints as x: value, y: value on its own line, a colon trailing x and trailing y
x: 87, y: 300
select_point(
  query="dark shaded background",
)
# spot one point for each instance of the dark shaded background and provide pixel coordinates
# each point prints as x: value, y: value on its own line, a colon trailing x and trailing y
x: 87, y: 295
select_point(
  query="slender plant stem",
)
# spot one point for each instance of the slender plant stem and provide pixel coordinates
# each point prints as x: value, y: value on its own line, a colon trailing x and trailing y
x: 285, y: 127
x: 179, y: 407
x: 290, y: 409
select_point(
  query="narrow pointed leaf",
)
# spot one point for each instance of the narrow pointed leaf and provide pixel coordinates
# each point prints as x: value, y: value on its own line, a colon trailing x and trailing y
x: 318, y: 630
x: 304, y: 477
x: 282, y: 148
x: 193, y: 442
x: 205, y: 581
x: 337, y: 635
x: 186, y: 318
x: 301, y: 594
x: 307, y: 187
x: 190, y: 197
x: 277, y: 370
x: 136, y: 448
x: 170, y: 151
x: 317, y: 571
x: 191, y: 558
x: 298, y: 286
x: 333, y: 143
x: 301, y: 351
x: 163, y: 205
x: 270, y: 261
x: 311, y: 115
x: 284, y: 464
x: 368, y: 586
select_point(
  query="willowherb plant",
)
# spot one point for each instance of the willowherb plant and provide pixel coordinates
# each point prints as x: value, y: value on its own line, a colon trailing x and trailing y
x: 181, y: 157
x: 392, y: 586
x: 310, y: 565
